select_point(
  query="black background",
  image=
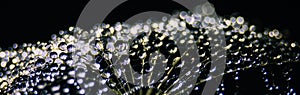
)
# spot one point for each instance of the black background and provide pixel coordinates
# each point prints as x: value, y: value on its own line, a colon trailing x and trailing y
x: 28, y: 21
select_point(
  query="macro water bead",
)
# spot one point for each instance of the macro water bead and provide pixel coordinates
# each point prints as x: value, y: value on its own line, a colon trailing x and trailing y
x: 176, y: 55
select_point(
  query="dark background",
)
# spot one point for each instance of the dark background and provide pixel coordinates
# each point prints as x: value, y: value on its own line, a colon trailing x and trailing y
x: 28, y: 21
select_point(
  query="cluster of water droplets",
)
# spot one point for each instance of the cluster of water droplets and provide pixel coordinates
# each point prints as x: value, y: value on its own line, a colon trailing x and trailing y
x: 122, y: 58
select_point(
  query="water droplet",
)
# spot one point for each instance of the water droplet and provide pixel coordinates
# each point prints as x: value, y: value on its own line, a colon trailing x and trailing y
x: 183, y: 15
x: 240, y: 20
